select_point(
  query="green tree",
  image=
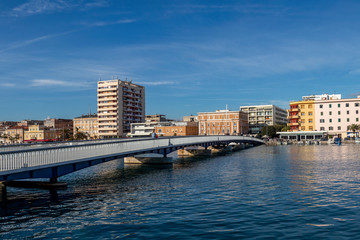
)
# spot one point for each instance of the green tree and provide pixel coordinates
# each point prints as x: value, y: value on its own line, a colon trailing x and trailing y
x: 269, y: 131
x: 353, y: 127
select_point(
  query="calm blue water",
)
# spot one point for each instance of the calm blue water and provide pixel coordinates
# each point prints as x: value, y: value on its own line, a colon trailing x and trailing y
x: 283, y: 192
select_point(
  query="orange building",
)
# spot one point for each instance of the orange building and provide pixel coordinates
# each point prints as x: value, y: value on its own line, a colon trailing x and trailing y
x: 177, y: 129
x: 223, y: 122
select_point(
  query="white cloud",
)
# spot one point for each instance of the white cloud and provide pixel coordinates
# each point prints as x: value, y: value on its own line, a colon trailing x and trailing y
x: 54, y: 83
x: 39, y: 6
x: 34, y: 40
x: 7, y: 84
x: 102, y: 23
x: 355, y: 72
x: 157, y: 83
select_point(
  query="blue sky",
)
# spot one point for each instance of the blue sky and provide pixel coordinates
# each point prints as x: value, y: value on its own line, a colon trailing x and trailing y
x: 192, y: 56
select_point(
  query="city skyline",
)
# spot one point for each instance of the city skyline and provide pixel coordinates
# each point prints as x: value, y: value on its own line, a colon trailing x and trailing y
x: 191, y: 56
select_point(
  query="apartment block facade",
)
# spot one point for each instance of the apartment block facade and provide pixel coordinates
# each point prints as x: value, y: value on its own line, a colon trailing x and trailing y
x: 264, y: 115
x: 223, y: 122
x: 301, y: 116
x: 335, y: 115
x: 87, y: 124
x: 324, y: 112
x: 120, y: 103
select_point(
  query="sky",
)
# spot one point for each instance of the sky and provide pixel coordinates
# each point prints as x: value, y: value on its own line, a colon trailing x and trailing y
x: 191, y: 56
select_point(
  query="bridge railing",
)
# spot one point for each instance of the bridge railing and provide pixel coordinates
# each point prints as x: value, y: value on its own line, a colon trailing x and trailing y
x: 37, y: 157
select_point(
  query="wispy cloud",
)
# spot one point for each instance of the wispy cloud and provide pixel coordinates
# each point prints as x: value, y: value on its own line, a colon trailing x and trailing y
x: 34, y: 40
x: 157, y: 83
x: 39, y: 6
x: 104, y: 23
x: 7, y: 84
x: 55, y: 83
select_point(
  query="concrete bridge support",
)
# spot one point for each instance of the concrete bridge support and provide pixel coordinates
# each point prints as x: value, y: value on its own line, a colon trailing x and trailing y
x: 194, y: 152
x: 148, y: 159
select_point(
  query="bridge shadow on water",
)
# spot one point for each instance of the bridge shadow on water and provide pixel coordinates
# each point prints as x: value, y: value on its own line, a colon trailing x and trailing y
x: 88, y: 183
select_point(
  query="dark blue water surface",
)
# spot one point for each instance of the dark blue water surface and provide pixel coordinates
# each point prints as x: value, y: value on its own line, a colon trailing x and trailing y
x: 282, y: 192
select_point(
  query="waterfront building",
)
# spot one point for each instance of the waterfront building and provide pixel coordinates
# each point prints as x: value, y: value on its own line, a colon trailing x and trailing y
x: 120, y: 103
x: 88, y: 124
x: 177, y: 129
x: 142, y: 129
x: 264, y: 115
x: 14, y: 134
x: 335, y: 115
x: 301, y: 116
x: 37, y: 133
x: 60, y: 125
x: 223, y: 122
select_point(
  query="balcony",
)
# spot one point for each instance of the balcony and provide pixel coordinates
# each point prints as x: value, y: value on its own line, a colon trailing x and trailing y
x: 293, y: 124
x: 293, y: 109
x: 293, y: 117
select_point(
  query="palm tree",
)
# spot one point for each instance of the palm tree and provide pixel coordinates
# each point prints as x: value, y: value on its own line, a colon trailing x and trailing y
x: 353, y: 128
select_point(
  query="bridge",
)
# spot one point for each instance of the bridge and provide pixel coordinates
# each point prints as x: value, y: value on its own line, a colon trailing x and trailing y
x: 55, y: 160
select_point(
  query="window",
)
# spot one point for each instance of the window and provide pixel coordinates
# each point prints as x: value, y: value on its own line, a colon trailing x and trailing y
x: 347, y: 112
x: 357, y: 119
x: 322, y: 129
x: 321, y: 106
x: 348, y: 119
x: 357, y: 111
x: 329, y: 105
x: 339, y: 112
x: 310, y: 120
x: 303, y: 128
x: 302, y: 106
x: 331, y: 128
x: 330, y: 113
x: 322, y: 120
x: 356, y: 104
x: 339, y: 119
x: 347, y: 105
x: 310, y: 113
x: 339, y: 128
x: 339, y: 105
x: 311, y: 128
x: 309, y: 106
x: 321, y: 113
x: 302, y: 114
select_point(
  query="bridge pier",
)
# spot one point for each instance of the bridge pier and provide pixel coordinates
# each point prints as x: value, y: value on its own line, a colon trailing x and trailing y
x: 149, y: 159
x: 193, y: 152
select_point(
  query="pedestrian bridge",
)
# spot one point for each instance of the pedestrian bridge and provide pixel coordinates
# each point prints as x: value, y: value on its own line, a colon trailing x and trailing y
x: 56, y: 160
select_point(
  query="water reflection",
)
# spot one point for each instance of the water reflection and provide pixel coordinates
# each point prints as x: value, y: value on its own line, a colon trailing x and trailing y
x: 275, y: 192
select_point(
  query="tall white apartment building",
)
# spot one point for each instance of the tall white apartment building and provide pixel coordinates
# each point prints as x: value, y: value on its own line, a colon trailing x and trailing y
x: 264, y: 115
x: 120, y: 103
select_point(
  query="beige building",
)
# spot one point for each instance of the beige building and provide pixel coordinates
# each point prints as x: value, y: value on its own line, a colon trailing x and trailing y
x: 87, y: 124
x: 37, y: 133
x: 14, y: 134
x: 120, y: 103
x: 223, y: 122
x: 177, y: 129
x: 264, y: 115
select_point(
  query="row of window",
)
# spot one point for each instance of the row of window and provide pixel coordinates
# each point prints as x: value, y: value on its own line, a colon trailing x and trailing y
x: 339, y: 112
x: 339, y: 120
x: 339, y: 105
x: 330, y: 128
x: 213, y: 124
